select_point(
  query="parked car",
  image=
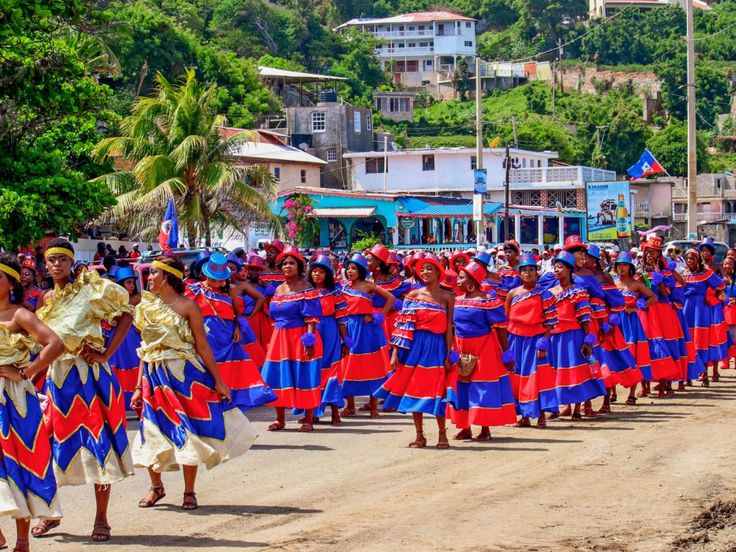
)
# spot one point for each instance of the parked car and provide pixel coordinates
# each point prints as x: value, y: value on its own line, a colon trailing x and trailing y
x: 684, y: 245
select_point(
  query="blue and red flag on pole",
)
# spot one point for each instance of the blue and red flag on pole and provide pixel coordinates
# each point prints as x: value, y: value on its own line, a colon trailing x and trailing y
x: 168, y: 236
x: 645, y: 166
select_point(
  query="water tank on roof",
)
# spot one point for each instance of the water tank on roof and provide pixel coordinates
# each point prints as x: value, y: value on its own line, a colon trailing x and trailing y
x: 328, y: 96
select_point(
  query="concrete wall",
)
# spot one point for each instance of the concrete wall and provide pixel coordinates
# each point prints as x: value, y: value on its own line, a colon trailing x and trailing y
x: 291, y: 175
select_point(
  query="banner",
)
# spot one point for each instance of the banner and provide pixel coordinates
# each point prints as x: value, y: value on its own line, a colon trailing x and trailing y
x: 480, y: 181
x: 609, y: 211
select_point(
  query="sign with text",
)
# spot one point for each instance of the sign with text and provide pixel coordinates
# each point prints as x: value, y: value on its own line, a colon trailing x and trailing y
x: 477, y: 207
x: 480, y: 181
x: 609, y: 210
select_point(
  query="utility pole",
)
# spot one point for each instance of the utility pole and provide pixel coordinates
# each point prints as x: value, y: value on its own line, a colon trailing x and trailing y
x: 507, y: 195
x: 516, y: 135
x: 385, y: 162
x: 479, y: 226
x: 692, y: 152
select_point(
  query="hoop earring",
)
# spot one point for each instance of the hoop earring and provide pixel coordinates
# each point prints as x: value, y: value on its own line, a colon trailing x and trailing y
x: 471, y: 288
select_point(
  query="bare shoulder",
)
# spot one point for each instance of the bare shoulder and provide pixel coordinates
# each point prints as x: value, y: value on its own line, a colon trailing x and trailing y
x: 447, y: 297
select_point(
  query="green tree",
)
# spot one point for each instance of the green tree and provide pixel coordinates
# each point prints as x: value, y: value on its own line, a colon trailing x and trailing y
x: 461, y: 80
x: 51, y: 104
x: 174, y: 144
x: 669, y: 146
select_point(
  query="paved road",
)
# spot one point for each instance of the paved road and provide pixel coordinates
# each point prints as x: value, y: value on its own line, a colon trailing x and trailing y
x: 632, y: 480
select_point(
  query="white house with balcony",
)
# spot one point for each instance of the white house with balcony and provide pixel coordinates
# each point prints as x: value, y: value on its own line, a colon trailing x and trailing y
x: 547, y: 202
x: 421, y: 48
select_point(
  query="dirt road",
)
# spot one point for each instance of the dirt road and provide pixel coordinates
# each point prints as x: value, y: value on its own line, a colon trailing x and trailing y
x: 633, y: 480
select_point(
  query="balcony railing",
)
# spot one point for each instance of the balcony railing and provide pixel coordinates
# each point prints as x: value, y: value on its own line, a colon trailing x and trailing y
x: 393, y: 51
x: 641, y: 209
x: 702, y: 218
x: 403, y: 34
x: 559, y: 175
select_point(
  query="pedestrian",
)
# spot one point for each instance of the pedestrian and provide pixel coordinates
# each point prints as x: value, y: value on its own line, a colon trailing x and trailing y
x: 421, y: 359
x: 481, y: 393
x: 365, y: 364
x: 188, y: 416
x: 532, y: 315
x: 89, y: 441
x: 293, y: 360
x: 27, y: 484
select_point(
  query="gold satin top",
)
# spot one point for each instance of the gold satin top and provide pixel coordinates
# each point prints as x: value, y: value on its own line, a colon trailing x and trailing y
x: 16, y: 347
x: 75, y: 312
x: 165, y: 334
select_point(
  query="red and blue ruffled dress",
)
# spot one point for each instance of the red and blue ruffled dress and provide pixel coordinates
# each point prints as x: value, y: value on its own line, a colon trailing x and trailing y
x: 33, y: 297
x: 704, y: 315
x: 366, y: 364
x: 419, y: 383
x: 398, y: 288
x: 485, y: 397
x: 261, y: 322
x: 578, y: 378
x: 664, y: 332
x: 287, y: 371
x: 729, y: 315
x: 248, y: 338
x: 509, y: 279
x: 124, y: 361
x: 615, y: 353
x: 237, y: 369
x: 691, y: 367
x: 533, y: 382
x: 331, y: 301
x: 634, y: 334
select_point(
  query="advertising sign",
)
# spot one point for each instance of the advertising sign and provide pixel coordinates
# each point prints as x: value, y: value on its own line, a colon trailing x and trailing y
x: 480, y: 181
x: 609, y: 211
x: 477, y: 207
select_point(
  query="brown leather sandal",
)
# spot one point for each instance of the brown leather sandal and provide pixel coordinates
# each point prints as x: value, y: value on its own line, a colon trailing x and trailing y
x: 158, y: 493
x: 190, y: 501
x: 44, y: 526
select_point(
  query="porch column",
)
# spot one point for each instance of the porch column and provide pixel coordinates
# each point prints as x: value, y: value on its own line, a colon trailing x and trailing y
x: 561, y: 225
x: 395, y: 235
x: 407, y: 236
x: 517, y: 228
x: 540, y: 230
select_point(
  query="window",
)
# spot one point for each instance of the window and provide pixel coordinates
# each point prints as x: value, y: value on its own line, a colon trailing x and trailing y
x: 318, y: 121
x: 368, y: 121
x: 412, y: 66
x: 427, y: 162
x: 411, y: 45
x: 400, y: 45
x: 331, y: 155
x: 374, y: 165
x: 468, y: 43
x: 473, y: 162
x: 467, y: 24
x: 303, y: 176
x: 356, y: 122
x: 277, y: 173
x: 398, y: 105
x: 423, y: 44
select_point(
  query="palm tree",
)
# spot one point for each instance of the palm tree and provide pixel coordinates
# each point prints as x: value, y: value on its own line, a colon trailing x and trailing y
x: 171, y: 146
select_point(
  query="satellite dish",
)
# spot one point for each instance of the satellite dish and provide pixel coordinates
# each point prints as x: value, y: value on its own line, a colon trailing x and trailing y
x: 303, y: 146
x: 558, y: 205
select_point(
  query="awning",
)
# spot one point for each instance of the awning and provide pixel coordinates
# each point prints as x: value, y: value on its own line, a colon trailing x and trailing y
x: 343, y: 212
x: 457, y: 211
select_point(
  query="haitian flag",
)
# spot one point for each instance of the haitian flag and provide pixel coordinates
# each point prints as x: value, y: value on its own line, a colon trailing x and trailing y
x: 168, y: 236
x: 645, y: 166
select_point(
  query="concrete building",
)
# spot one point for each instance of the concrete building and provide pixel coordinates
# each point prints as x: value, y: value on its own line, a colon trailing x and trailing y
x: 395, y: 105
x: 716, y: 207
x: 547, y: 202
x: 423, y: 48
x: 328, y: 131
x: 651, y: 201
x: 290, y: 166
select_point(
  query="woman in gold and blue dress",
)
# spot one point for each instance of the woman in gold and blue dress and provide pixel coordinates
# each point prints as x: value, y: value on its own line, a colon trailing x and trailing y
x: 185, y: 421
x: 27, y: 484
x: 86, y: 411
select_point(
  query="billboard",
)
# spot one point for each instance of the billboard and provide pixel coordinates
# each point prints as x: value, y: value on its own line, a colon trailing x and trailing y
x: 609, y: 210
x: 480, y: 181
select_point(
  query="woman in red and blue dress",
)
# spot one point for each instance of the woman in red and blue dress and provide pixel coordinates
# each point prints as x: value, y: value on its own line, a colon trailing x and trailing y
x: 729, y: 306
x: 508, y: 273
x: 458, y: 259
x: 321, y: 276
x: 27, y: 484
x: 242, y: 290
x: 378, y: 266
x: 667, y: 346
x: 637, y: 297
x: 293, y: 366
x: 571, y: 342
x: 531, y: 314
x: 484, y: 398
x: 125, y: 361
x: 365, y: 364
x: 271, y: 273
x: 260, y: 320
x: 215, y: 299
x: 31, y: 292
x: 421, y: 358
x: 704, y: 314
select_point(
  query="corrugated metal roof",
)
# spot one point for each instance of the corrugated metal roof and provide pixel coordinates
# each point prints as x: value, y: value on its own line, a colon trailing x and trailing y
x: 276, y: 153
x: 272, y: 72
x: 416, y: 17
